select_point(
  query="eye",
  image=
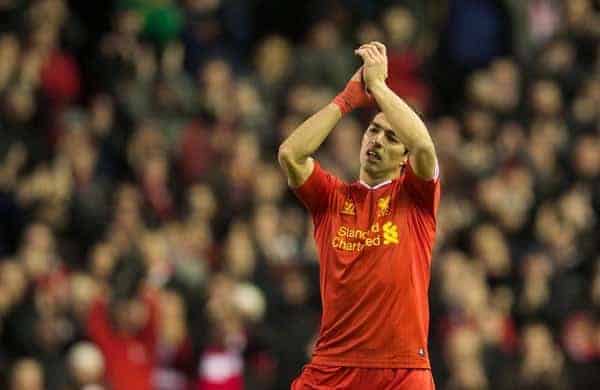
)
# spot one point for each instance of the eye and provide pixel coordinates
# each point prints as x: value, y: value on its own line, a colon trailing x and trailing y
x: 392, y: 138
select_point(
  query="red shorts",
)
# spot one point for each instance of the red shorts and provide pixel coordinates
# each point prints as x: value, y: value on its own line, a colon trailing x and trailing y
x: 319, y: 377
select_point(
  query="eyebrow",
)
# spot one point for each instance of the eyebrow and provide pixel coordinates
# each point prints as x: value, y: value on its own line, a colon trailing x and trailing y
x: 386, y: 129
x: 381, y: 127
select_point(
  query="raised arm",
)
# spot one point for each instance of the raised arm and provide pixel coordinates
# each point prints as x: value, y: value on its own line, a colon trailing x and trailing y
x: 410, y: 128
x: 294, y: 153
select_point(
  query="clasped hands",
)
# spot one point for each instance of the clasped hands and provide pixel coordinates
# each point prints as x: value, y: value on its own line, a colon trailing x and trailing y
x: 374, y: 70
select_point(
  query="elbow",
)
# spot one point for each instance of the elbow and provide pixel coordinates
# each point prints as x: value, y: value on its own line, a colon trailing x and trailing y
x: 424, y: 161
x: 423, y: 151
x: 284, y: 154
x: 288, y: 156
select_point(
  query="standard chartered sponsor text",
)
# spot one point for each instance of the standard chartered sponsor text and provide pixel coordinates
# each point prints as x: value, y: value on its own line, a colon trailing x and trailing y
x: 354, y: 239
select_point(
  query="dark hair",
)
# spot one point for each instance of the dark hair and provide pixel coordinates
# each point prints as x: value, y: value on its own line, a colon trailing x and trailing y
x: 127, y: 277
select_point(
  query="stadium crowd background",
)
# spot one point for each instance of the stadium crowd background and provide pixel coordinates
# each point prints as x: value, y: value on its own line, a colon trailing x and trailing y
x: 139, y: 188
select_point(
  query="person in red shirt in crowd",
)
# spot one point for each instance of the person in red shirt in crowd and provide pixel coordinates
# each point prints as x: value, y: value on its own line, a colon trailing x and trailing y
x: 125, y: 329
x: 374, y: 239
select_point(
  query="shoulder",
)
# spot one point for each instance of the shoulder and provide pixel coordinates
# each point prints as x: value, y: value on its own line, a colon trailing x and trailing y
x: 322, y: 176
x: 319, y: 189
x: 423, y: 193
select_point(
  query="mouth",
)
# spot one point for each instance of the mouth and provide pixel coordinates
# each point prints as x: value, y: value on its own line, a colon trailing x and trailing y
x: 373, y: 155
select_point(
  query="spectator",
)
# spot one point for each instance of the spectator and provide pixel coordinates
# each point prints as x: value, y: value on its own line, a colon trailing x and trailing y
x: 125, y: 330
x: 543, y: 364
x: 86, y: 366
x: 27, y: 374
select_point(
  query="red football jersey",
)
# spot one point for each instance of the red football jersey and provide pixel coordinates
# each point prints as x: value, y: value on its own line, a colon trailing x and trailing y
x: 374, y: 246
x: 130, y: 359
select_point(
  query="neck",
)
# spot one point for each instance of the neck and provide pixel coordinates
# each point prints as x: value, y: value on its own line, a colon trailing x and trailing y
x: 372, y: 179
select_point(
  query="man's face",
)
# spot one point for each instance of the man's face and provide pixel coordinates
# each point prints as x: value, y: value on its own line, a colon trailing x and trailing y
x: 381, y: 151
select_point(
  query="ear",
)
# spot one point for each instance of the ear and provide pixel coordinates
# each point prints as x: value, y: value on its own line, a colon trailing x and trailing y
x: 404, y: 160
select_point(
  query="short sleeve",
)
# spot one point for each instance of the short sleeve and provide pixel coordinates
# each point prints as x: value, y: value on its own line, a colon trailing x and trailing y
x: 316, y: 191
x: 425, y: 193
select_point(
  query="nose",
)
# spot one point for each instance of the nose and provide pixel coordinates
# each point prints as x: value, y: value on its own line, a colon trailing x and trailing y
x: 377, y: 139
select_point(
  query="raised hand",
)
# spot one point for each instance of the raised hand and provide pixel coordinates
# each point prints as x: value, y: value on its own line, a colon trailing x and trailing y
x: 375, y: 62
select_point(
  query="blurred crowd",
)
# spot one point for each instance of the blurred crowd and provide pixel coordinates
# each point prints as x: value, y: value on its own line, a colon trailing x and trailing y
x: 147, y: 236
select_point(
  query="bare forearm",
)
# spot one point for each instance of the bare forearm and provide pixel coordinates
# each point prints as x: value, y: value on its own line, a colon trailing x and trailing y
x: 407, y: 125
x: 411, y: 129
x: 307, y: 138
x: 294, y: 153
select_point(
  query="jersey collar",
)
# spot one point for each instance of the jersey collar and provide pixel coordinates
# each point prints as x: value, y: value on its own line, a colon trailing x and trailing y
x: 376, y: 186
